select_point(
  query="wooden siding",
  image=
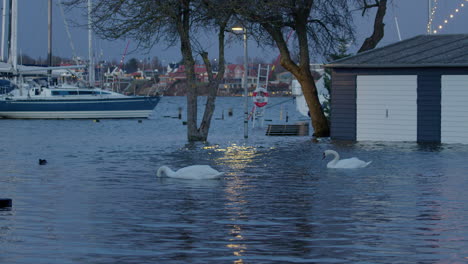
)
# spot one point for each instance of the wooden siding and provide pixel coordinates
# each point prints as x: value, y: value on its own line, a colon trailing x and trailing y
x: 343, y: 99
x: 429, y: 95
x: 343, y: 110
x: 454, y: 113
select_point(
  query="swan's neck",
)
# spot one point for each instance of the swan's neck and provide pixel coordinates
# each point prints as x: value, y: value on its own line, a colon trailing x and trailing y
x: 336, y: 159
x: 164, y: 170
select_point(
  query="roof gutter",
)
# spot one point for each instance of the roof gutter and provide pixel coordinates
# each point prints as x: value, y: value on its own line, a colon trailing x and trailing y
x: 374, y: 66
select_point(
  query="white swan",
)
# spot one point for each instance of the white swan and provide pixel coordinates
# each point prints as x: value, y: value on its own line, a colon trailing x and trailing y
x: 351, y: 163
x: 195, y: 172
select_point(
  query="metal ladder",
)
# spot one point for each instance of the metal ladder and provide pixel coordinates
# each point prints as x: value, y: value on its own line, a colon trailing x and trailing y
x: 258, y: 113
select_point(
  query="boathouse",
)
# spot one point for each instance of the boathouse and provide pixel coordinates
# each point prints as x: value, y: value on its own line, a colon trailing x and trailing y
x: 412, y: 90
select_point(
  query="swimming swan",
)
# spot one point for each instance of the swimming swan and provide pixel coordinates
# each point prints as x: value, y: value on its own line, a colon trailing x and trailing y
x: 351, y: 163
x: 195, y: 172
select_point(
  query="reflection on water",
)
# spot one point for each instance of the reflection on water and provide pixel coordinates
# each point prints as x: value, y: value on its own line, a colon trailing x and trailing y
x: 98, y: 199
x: 236, y: 157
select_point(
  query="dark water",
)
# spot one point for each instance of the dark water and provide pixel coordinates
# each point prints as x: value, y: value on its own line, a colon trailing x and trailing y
x: 98, y: 199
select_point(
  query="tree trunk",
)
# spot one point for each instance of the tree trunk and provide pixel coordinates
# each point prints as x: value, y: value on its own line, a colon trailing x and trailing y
x: 213, y: 82
x: 210, y: 100
x: 183, y: 28
x: 193, y: 132
x: 372, y: 41
x: 209, y: 110
x: 302, y: 71
x: 305, y: 78
x: 319, y: 121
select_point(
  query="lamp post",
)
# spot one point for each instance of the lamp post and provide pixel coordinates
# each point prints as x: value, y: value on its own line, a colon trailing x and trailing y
x: 244, y: 79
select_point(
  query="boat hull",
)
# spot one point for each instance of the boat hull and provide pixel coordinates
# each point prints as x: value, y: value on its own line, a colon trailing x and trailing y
x: 132, y: 107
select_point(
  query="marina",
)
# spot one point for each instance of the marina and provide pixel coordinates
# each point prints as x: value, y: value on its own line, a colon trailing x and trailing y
x: 328, y: 136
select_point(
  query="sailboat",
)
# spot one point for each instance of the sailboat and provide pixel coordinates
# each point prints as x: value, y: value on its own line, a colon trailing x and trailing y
x: 32, y: 99
x: 301, y: 104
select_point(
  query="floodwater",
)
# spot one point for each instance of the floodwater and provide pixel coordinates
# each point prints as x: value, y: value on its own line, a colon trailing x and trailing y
x: 98, y: 199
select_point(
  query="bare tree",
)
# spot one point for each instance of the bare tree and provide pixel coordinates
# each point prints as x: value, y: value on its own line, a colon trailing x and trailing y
x: 154, y: 21
x: 378, y: 32
x: 216, y: 15
x: 317, y: 24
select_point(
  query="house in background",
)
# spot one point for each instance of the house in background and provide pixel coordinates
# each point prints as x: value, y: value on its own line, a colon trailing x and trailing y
x: 232, y: 82
x: 413, y: 90
x: 284, y: 77
x: 231, y: 85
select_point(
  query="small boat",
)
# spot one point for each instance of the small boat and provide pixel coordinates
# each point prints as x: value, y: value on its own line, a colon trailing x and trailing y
x: 36, y: 101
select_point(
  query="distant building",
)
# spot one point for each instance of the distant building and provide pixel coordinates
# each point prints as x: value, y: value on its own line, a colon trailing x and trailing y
x: 230, y: 85
x: 284, y: 77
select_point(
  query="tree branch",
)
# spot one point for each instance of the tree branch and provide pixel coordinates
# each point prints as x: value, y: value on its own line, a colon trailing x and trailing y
x: 378, y: 33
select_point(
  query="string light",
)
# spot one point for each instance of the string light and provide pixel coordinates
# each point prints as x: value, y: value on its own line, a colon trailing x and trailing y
x: 432, y: 14
x: 447, y: 20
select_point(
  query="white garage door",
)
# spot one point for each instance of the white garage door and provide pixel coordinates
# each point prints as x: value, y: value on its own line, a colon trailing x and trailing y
x: 386, y: 108
x: 454, y: 109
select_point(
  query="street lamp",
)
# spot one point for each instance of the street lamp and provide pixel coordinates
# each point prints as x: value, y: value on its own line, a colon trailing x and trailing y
x: 244, y: 78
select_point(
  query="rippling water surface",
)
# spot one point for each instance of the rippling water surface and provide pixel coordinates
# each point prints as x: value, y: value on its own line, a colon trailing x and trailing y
x: 98, y: 199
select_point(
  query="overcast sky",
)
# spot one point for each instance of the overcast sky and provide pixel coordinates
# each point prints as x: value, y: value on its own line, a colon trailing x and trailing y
x: 411, y: 16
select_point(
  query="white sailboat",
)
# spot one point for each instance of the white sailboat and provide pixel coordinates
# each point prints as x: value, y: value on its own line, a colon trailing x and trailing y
x: 301, y: 104
x: 32, y: 99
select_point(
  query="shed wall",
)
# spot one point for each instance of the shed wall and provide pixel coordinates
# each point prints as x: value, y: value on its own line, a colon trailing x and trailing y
x: 343, y: 99
x: 429, y: 96
x: 386, y: 108
x: 454, y: 109
x: 343, y: 110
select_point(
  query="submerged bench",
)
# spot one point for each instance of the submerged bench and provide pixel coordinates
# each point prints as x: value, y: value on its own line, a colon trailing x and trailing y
x: 301, y: 129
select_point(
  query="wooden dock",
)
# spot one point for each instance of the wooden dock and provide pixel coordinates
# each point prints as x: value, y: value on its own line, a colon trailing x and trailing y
x: 301, y: 129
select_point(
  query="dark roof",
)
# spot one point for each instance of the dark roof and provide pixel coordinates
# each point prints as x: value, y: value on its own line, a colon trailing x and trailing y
x: 419, y: 51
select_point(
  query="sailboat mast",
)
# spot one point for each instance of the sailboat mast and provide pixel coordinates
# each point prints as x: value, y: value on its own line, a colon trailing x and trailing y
x: 90, y: 45
x: 13, y: 56
x: 14, y: 35
x: 4, y: 14
x: 8, y: 49
x: 49, y: 34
